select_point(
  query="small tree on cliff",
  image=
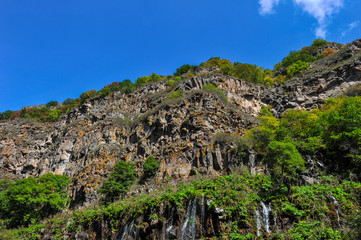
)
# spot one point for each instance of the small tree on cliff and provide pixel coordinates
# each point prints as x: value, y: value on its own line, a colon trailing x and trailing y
x: 284, y: 160
x: 119, y: 181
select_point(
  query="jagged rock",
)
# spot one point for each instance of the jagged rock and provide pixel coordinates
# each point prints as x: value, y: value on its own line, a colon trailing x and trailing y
x: 86, y: 142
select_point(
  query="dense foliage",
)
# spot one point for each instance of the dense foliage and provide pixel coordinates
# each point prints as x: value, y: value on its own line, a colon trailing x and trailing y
x: 308, y: 208
x: 299, y: 60
x: 29, y: 200
x: 334, y: 130
x: 150, y: 168
x: 121, y: 178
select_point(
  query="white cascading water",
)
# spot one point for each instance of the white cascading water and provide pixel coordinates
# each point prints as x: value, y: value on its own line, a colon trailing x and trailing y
x: 125, y: 231
x: 337, y: 208
x: 203, y: 210
x: 188, y: 230
x: 130, y: 229
x: 266, y: 210
x: 138, y: 227
x: 170, y: 222
x: 167, y: 231
x: 259, y: 225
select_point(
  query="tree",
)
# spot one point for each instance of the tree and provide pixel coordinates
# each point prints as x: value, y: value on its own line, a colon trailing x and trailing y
x: 319, y: 42
x: 52, y: 104
x: 284, y: 161
x: 68, y: 101
x: 142, y: 80
x: 86, y: 95
x: 29, y: 200
x: 119, y: 181
x: 297, y: 67
x: 151, y: 167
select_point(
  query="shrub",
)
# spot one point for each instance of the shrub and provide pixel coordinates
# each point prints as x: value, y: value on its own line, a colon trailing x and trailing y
x: 327, y: 52
x: 29, y: 200
x: 87, y: 95
x: 175, y: 94
x: 53, y: 115
x: 248, y: 72
x: 211, y: 87
x: 150, y: 168
x: 119, y: 181
x: 227, y: 69
x: 68, y: 101
x: 7, y: 114
x: 319, y: 43
x: 297, y: 67
x: 284, y: 161
x: 189, y: 75
x: 52, y: 104
x: 184, y: 69
x: 142, y: 80
x: 170, y: 83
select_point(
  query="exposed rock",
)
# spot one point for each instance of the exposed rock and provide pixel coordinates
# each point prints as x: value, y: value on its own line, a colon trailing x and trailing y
x: 86, y: 142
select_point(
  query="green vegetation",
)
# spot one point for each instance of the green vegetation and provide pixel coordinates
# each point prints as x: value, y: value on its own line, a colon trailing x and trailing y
x: 284, y: 161
x: 334, y: 131
x: 296, y: 62
x: 213, y: 88
x: 119, y: 181
x: 29, y: 200
x: 150, y: 168
x: 186, y: 68
x: 175, y: 94
x: 301, y: 59
x: 307, y: 208
x: 296, y: 67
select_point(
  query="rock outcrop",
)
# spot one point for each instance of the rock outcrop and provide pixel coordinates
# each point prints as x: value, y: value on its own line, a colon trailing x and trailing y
x: 180, y: 132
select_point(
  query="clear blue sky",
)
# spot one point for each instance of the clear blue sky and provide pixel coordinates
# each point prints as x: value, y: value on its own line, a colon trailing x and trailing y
x: 53, y: 50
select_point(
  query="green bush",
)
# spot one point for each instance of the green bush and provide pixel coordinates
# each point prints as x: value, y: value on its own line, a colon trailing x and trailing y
x: 87, y: 95
x: 150, y: 168
x: 30, y: 200
x: 175, y: 94
x: 248, y: 72
x: 6, y: 115
x: 284, y: 161
x: 170, y: 83
x: 297, y: 67
x: 68, y: 101
x: 319, y: 42
x: 52, y: 104
x: 185, y: 69
x: 119, y: 181
x: 212, y: 87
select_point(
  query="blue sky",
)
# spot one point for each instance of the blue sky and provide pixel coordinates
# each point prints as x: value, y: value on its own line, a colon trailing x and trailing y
x: 53, y: 50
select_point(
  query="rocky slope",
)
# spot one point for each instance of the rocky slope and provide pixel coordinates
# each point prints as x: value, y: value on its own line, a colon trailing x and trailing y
x: 180, y: 132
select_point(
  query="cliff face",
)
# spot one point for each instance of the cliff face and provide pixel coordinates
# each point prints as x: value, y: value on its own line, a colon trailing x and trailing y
x: 179, y: 131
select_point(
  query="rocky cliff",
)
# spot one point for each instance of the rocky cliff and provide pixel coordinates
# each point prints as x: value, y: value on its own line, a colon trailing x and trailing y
x: 181, y: 132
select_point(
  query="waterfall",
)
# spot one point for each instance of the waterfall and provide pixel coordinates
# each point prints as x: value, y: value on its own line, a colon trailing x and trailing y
x: 188, y: 230
x: 265, y: 211
x: 138, y: 227
x: 338, y: 210
x: 258, y: 223
x: 125, y: 231
x: 130, y: 230
x: 167, y: 231
x: 170, y: 222
x: 203, y: 210
x: 203, y: 213
x: 264, y: 220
